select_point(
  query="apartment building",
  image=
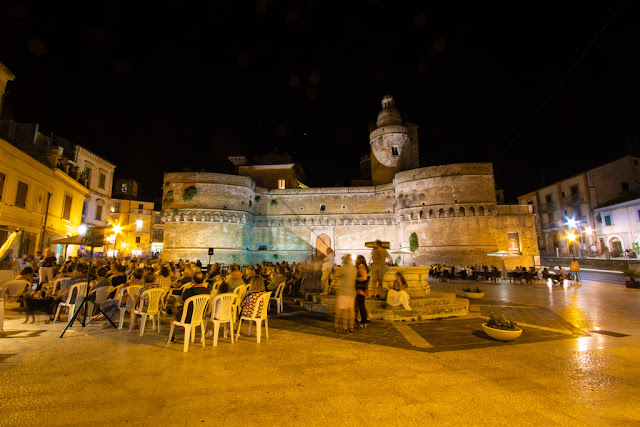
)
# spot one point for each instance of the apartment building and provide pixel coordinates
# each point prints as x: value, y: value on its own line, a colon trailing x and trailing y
x: 569, y: 205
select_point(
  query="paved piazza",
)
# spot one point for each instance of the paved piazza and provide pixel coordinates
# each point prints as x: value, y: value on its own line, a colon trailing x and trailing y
x: 575, y: 364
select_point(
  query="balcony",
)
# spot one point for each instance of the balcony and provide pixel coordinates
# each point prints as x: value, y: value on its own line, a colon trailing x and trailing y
x: 548, y: 207
x: 555, y: 225
x: 141, y: 211
x: 573, y: 199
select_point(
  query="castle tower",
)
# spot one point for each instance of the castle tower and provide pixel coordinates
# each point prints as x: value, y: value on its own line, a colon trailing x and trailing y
x: 394, y: 146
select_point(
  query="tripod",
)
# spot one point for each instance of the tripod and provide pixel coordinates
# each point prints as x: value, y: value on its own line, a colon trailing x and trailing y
x: 85, y: 304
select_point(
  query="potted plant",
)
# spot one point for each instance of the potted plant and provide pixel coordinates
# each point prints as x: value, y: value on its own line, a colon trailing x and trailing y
x: 476, y: 293
x: 631, y: 273
x: 497, y: 327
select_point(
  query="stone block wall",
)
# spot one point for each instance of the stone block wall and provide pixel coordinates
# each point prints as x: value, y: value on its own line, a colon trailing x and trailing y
x: 451, y: 208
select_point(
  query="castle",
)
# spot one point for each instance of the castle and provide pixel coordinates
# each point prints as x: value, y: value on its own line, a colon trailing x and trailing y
x: 264, y: 213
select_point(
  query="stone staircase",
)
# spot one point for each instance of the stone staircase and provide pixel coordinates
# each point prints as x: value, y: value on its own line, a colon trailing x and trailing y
x: 436, y: 305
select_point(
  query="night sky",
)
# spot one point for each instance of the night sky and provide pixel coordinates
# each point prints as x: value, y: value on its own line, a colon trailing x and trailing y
x: 164, y: 86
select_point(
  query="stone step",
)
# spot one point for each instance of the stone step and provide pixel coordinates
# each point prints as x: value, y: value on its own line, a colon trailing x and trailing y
x: 319, y: 308
x: 434, y: 298
x: 437, y: 305
x: 424, y: 313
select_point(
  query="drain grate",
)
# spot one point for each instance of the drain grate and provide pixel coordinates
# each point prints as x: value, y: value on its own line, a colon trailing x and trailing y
x: 611, y: 334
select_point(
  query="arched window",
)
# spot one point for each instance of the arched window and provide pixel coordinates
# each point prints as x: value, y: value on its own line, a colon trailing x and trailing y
x: 452, y: 212
x: 322, y: 207
x: 472, y: 211
x: 481, y: 211
x: 441, y: 213
x: 462, y: 211
x: 432, y: 213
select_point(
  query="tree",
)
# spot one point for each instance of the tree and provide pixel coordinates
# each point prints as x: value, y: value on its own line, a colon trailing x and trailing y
x: 413, y: 242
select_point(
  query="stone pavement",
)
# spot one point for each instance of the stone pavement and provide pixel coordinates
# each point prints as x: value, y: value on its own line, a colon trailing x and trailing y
x: 562, y: 371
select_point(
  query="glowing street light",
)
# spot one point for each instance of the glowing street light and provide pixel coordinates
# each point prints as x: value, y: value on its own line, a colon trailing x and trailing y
x: 82, y: 230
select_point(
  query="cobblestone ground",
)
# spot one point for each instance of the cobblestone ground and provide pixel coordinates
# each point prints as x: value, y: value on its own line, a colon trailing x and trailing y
x: 576, y: 364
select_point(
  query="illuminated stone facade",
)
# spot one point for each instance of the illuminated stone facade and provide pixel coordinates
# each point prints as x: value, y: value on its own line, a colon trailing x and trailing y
x: 451, y: 208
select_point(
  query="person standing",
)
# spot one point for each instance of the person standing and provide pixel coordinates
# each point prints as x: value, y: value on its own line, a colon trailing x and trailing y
x: 362, y: 285
x: 378, y: 267
x: 345, y: 303
x: 327, y: 267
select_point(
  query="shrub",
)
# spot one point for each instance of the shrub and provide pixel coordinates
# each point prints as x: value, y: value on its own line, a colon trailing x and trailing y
x: 499, y: 322
x: 189, y: 192
x: 413, y: 242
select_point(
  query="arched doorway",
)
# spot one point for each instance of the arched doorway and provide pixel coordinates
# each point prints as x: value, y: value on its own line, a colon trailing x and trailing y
x: 323, y: 242
x: 615, y: 247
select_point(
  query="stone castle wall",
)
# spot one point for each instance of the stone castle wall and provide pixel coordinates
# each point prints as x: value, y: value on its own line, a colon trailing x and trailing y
x: 451, y: 208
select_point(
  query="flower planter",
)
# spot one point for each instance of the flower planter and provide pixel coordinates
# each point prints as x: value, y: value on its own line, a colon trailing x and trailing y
x: 501, y: 334
x: 474, y: 295
x: 632, y: 284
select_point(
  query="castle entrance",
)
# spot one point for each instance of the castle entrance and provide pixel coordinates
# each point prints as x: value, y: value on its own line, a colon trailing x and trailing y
x: 323, y: 242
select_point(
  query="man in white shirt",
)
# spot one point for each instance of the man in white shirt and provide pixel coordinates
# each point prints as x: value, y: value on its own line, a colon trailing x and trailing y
x: 327, y: 267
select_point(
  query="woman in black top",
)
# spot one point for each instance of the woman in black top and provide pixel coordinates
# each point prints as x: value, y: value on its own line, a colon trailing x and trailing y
x: 362, y: 284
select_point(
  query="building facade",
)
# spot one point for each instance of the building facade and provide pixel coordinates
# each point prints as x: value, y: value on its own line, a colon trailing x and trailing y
x: 139, y: 235
x: 618, y: 227
x: 576, y: 198
x: 40, y: 202
x: 451, y: 208
x: 98, y: 174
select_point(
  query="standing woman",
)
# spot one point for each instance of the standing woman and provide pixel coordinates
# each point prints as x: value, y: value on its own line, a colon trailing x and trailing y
x: 345, y: 304
x: 362, y: 285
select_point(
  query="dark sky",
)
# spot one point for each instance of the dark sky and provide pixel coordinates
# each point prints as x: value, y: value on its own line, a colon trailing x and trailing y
x: 164, y: 86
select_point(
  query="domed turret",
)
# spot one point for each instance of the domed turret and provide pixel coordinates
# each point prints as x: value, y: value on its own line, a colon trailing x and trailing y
x: 394, y: 146
x: 389, y: 115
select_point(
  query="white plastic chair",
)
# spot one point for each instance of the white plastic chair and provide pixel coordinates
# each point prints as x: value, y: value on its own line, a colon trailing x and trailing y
x: 239, y: 292
x: 101, y: 294
x: 278, y: 297
x: 15, y: 288
x: 76, y: 293
x: 59, y: 284
x: 258, y: 318
x: 151, y: 309
x: 198, y: 304
x: 222, y: 312
x: 131, y: 290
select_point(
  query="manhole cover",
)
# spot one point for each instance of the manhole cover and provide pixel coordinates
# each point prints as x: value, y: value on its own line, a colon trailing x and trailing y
x: 611, y: 334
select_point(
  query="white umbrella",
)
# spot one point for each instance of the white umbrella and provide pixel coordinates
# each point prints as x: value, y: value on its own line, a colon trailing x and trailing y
x: 403, y: 252
x: 503, y: 255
